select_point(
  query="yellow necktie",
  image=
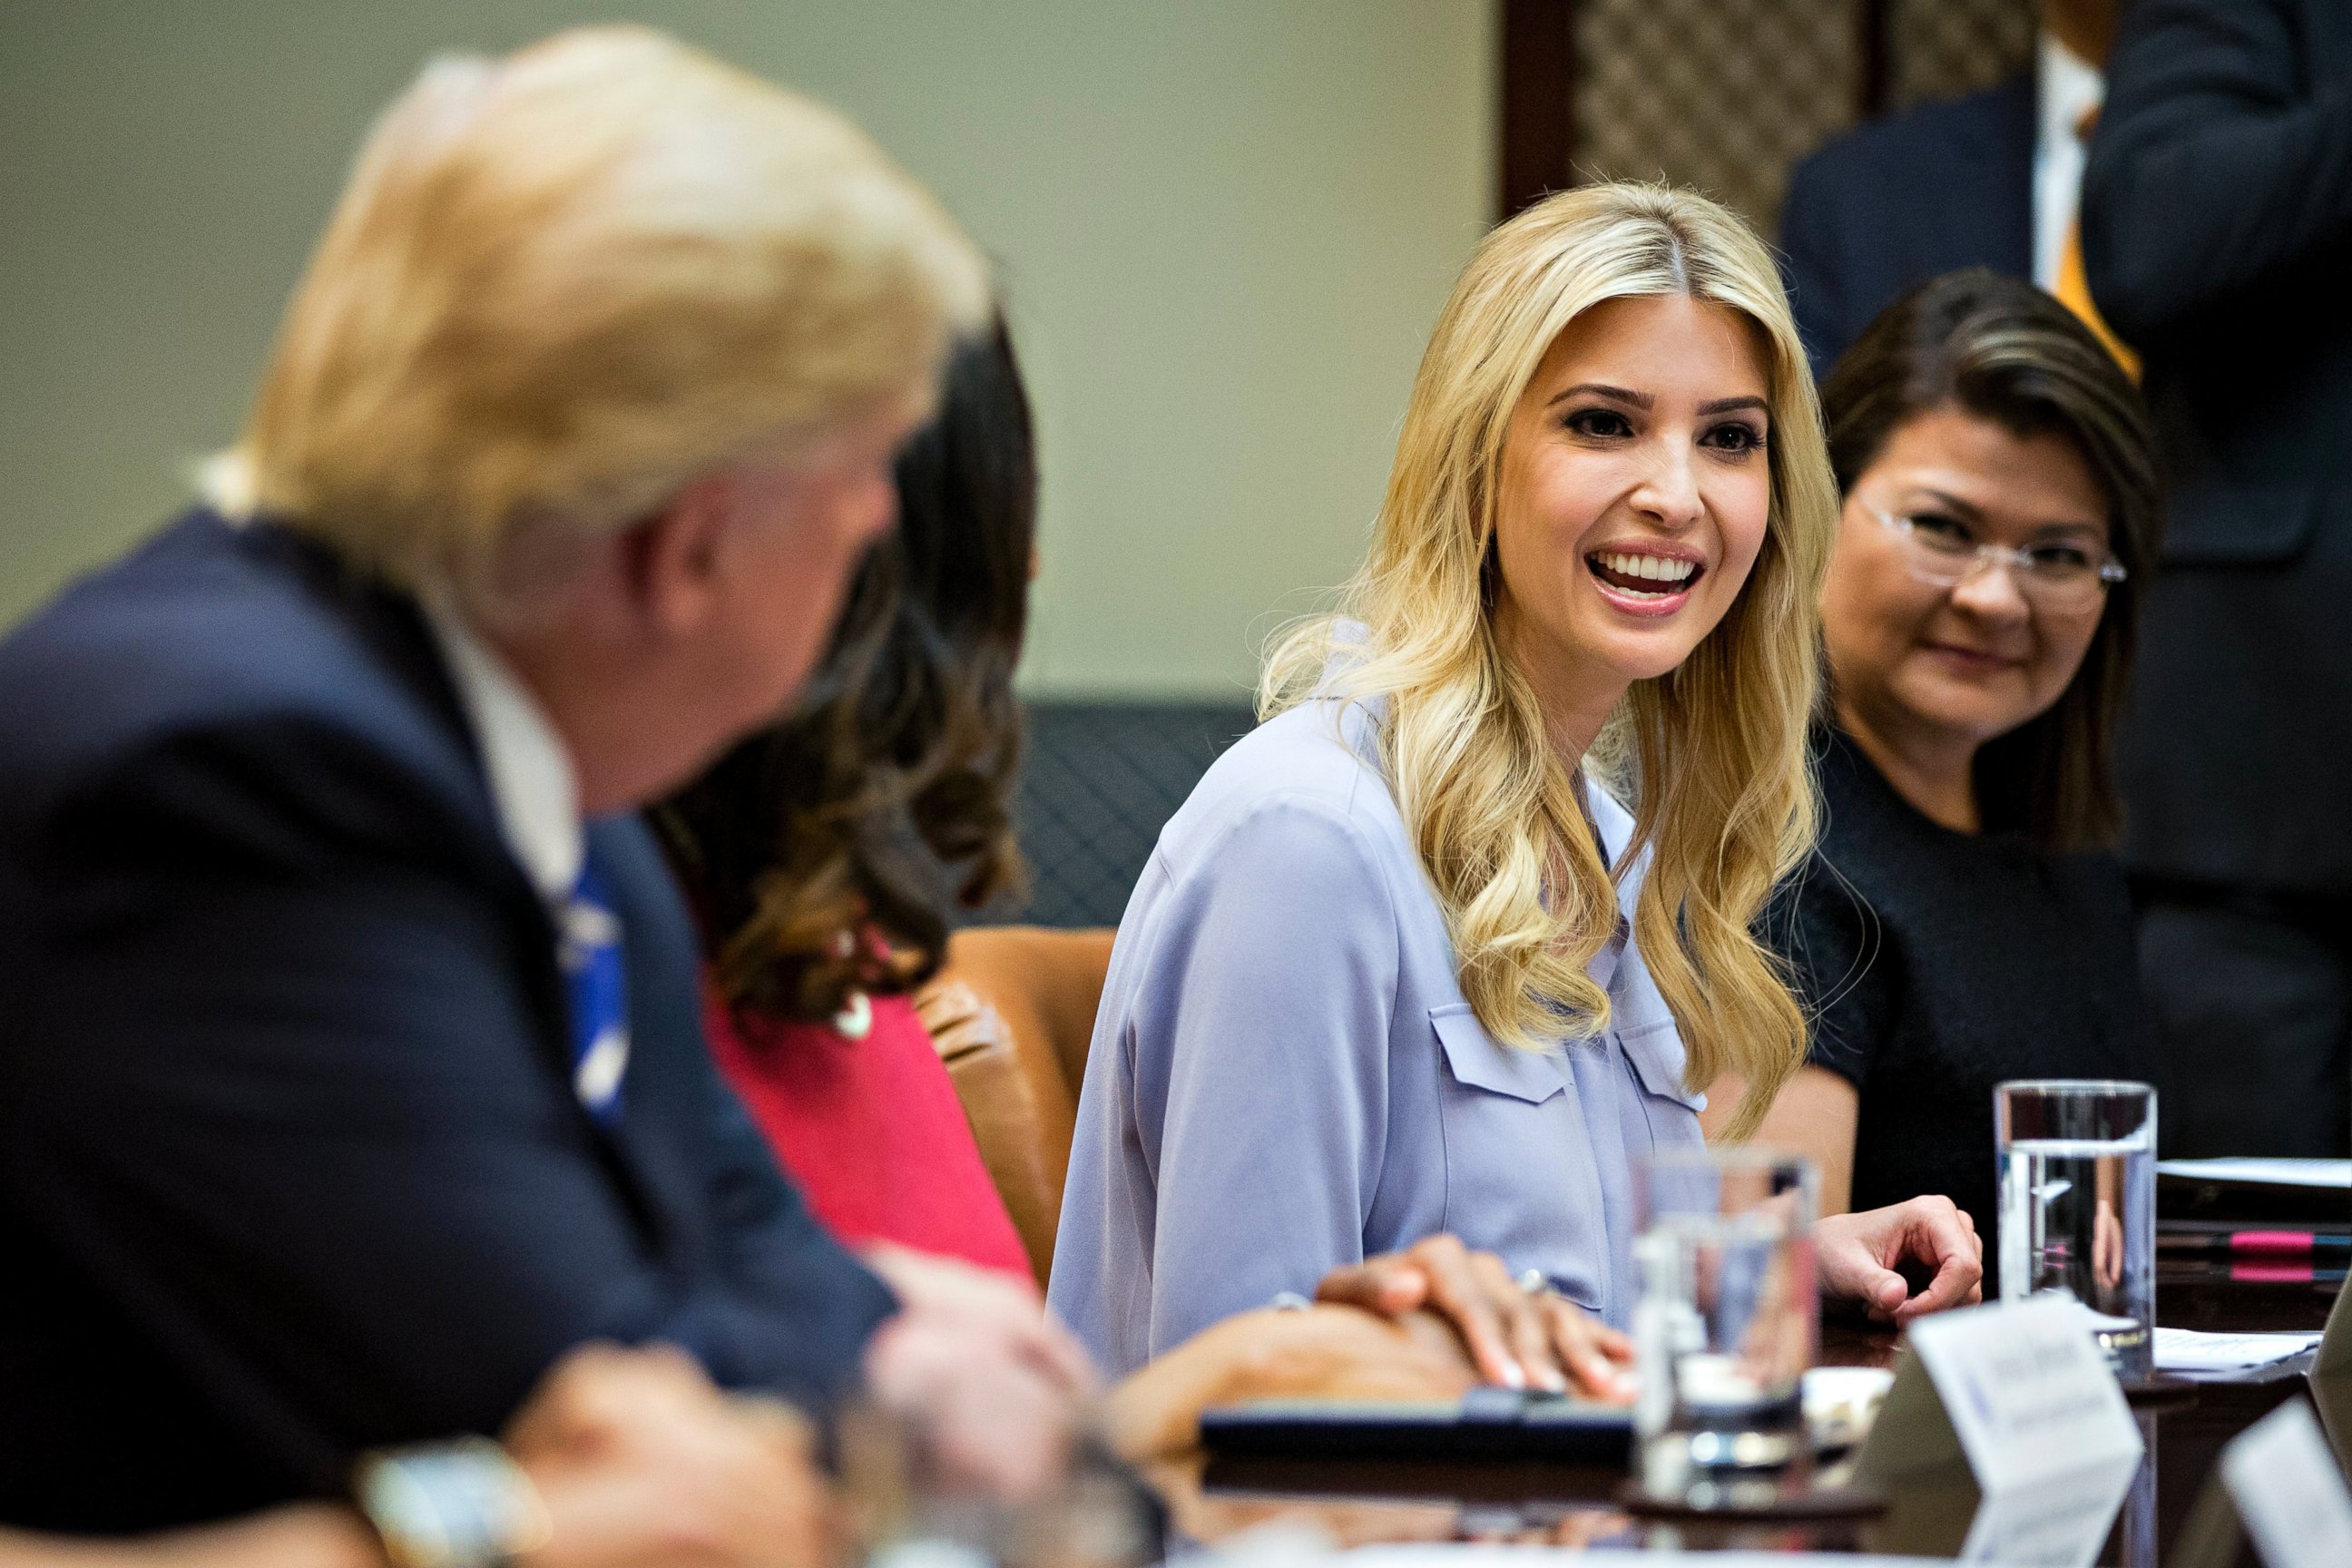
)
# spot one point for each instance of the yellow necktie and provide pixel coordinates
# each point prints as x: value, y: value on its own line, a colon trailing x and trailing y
x: 2073, y: 291
x: 2074, y: 286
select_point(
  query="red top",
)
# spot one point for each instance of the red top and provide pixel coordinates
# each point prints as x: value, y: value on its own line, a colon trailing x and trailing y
x: 870, y: 1130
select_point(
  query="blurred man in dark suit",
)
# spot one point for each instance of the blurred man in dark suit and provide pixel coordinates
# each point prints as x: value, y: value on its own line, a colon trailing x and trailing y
x: 351, y: 1067
x: 1990, y: 180
x: 2217, y: 217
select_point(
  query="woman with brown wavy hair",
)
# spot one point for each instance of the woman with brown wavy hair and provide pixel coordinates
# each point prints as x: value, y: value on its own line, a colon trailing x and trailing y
x: 820, y: 853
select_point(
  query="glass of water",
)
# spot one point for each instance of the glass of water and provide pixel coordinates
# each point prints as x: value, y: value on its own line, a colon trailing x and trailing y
x: 1725, y: 1324
x: 2078, y: 1205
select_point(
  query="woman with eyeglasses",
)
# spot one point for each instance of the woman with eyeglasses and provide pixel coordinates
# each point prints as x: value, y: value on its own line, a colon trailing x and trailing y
x: 1961, y: 921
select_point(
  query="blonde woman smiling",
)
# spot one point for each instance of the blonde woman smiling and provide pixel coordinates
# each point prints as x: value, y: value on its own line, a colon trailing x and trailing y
x: 1445, y: 943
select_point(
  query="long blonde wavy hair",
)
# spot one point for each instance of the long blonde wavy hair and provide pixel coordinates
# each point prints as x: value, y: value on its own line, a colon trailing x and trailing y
x: 1710, y: 756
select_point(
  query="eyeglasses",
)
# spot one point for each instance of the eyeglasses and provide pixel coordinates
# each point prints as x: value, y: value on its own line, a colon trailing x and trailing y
x: 2060, y: 578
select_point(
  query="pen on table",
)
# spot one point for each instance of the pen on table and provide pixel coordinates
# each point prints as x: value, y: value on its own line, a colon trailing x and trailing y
x: 2258, y: 1244
x: 2284, y: 1272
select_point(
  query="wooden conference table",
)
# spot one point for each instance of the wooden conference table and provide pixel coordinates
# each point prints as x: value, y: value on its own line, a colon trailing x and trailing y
x: 1361, y: 1502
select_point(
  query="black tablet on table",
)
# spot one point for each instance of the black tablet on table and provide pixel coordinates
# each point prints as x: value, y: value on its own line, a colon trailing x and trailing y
x: 1499, y: 1423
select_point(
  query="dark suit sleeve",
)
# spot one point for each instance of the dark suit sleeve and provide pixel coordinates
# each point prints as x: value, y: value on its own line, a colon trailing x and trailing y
x: 1812, y: 266
x: 1827, y: 939
x: 282, y: 1092
x: 2209, y: 176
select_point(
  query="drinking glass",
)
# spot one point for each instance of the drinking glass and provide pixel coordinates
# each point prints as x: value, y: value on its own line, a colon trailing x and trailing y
x: 2078, y: 1205
x: 1725, y: 1322
x: 907, y: 1504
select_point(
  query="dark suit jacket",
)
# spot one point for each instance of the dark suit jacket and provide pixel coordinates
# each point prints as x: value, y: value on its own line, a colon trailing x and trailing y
x: 290, y: 1165
x: 2217, y: 232
x: 1889, y: 205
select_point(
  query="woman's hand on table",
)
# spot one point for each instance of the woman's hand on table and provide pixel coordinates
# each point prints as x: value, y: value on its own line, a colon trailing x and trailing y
x: 1515, y: 1337
x: 1430, y: 1322
x: 1327, y: 1352
x: 1860, y: 1255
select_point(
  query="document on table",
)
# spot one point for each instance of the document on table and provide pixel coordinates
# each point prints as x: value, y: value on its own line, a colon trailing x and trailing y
x: 2263, y: 1173
x: 2187, y: 1350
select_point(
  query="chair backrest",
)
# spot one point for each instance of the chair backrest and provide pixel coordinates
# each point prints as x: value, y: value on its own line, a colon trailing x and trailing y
x: 1013, y: 1011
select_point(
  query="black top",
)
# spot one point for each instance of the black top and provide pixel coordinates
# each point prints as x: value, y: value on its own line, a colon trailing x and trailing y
x: 290, y: 1161
x: 1936, y: 965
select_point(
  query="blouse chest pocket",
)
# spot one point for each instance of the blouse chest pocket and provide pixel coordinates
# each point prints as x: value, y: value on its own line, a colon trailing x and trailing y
x: 1669, y: 1106
x: 1478, y: 1062
x: 1519, y: 1174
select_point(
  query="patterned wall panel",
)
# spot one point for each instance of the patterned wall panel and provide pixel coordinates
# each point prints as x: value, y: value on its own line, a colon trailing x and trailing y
x: 1723, y: 95
x: 1945, y: 48
x: 1727, y: 95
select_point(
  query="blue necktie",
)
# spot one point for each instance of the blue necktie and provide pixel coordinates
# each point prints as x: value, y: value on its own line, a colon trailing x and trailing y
x: 588, y: 947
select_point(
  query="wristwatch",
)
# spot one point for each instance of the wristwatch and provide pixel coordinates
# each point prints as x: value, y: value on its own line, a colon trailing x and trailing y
x: 461, y: 1504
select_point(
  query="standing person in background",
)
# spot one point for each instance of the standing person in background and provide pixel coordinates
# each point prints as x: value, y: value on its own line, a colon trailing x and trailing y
x: 351, y: 1064
x: 1964, y: 919
x: 2218, y: 223
x: 1990, y: 180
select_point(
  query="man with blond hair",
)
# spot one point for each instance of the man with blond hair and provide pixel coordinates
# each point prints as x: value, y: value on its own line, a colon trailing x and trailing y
x: 350, y: 1061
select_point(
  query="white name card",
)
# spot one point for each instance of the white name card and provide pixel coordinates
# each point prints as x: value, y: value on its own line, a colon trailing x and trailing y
x: 2028, y: 1392
x: 2288, y: 1491
x: 2017, y: 1402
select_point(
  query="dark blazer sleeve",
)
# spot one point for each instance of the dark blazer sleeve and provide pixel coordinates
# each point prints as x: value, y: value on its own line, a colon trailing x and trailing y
x: 283, y: 1094
x: 2209, y: 175
x: 1829, y: 941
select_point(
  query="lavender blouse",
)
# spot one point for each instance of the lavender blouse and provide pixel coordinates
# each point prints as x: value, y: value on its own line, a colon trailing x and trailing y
x: 1284, y: 1077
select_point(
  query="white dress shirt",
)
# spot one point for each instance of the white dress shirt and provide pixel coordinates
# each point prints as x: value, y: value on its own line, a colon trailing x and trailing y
x: 2066, y: 87
x: 532, y: 785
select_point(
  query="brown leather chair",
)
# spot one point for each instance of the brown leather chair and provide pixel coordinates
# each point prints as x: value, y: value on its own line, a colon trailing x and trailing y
x: 1011, y: 1012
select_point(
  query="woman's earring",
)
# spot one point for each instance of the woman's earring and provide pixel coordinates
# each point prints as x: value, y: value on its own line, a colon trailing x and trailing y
x: 856, y: 1019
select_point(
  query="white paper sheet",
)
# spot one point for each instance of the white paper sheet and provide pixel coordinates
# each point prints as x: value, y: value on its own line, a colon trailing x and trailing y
x: 2187, y: 1350
x: 2267, y: 1173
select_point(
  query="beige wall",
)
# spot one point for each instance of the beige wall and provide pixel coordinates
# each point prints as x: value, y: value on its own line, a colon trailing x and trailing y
x: 1225, y: 227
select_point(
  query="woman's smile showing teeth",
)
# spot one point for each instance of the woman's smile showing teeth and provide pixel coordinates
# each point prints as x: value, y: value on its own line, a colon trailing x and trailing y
x: 1635, y: 492
x: 1643, y: 580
